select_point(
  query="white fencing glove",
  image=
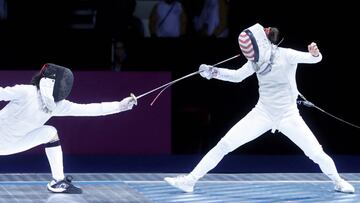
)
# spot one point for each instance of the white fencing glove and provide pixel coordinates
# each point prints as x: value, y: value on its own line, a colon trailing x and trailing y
x: 207, y: 71
x: 128, y: 102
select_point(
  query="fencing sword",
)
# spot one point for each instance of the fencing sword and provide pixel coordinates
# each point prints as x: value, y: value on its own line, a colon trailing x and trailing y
x: 165, y: 86
x: 307, y: 103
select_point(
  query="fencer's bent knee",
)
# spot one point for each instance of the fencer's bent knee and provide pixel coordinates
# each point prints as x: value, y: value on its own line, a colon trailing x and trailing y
x: 52, y: 133
x: 55, y: 138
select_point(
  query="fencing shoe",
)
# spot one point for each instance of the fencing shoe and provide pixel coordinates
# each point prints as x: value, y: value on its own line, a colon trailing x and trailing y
x: 63, y: 186
x: 344, y: 186
x: 184, y: 183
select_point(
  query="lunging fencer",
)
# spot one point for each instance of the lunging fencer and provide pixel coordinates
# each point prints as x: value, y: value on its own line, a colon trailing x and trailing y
x: 30, y: 106
x: 276, y: 109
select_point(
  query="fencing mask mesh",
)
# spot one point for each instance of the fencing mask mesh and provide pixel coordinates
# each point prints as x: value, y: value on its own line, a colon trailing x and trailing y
x: 63, y: 77
x: 254, y: 44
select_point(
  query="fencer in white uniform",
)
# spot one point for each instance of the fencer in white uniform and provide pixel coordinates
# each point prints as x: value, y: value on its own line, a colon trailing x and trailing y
x: 29, y: 107
x: 276, y: 109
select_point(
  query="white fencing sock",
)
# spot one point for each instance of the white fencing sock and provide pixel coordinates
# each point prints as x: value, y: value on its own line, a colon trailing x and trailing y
x: 55, y: 157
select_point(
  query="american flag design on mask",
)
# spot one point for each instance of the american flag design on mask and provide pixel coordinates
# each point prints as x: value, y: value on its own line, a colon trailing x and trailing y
x: 248, y: 45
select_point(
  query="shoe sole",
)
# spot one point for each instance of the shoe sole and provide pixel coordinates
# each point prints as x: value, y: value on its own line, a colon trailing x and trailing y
x: 55, y: 190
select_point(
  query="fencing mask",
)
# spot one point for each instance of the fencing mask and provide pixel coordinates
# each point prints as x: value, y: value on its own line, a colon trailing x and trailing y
x: 256, y: 46
x: 56, y: 80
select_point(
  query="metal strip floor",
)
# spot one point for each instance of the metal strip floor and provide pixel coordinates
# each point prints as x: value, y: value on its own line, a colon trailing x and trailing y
x: 150, y: 187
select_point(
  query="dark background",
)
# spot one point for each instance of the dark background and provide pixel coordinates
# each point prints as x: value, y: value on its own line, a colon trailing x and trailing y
x: 203, y: 111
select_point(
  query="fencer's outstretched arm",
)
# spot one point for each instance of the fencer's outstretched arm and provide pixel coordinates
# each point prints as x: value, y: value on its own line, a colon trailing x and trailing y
x: 67, y: 108
x: 225, y: 74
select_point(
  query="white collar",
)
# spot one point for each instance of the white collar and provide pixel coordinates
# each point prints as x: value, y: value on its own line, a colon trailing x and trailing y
x: 46, y: 86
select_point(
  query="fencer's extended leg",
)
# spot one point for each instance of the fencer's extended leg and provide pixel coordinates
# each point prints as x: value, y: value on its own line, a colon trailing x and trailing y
x: 298, y: 132
x: 247, y: 129
x: 250, y: 127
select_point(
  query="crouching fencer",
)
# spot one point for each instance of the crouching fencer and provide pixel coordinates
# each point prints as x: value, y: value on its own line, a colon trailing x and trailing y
x: 276, y: 109
x: 30, y: 106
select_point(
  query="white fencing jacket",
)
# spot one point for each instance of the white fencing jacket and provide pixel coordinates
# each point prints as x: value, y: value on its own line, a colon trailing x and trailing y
x: 24, y: 112
x: 277, y: 88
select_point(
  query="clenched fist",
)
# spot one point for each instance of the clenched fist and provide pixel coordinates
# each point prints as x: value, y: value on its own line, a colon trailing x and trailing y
x: 313, y: 49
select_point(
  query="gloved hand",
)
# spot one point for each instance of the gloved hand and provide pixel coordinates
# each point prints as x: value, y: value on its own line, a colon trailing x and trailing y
x: 207, y: 71
x: 313, y: 49
x: 128, y: 102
